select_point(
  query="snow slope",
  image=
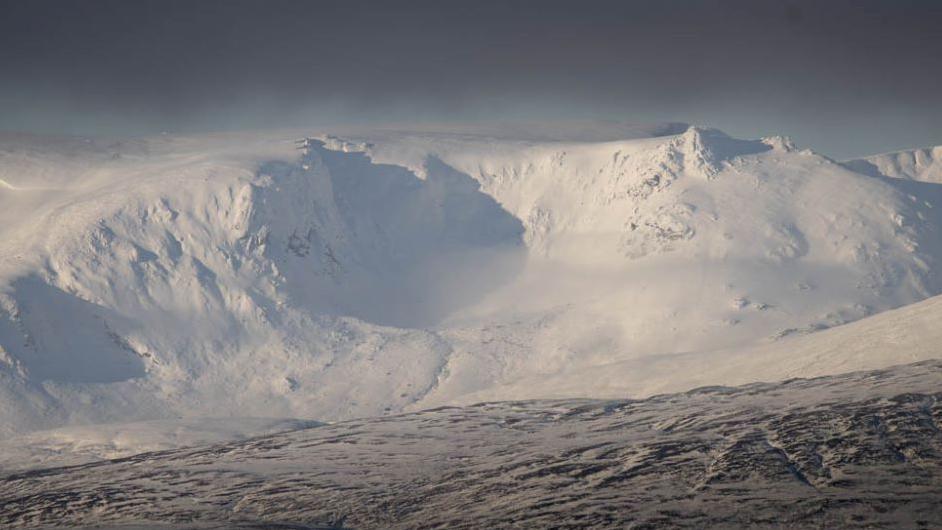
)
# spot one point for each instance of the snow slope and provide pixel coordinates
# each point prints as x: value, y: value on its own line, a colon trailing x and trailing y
x: 909, y: 334
x: 917, y: 164
x: 366, y: 272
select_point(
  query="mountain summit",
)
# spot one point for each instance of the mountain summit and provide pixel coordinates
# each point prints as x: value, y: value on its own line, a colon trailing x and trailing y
x: 352, y: 273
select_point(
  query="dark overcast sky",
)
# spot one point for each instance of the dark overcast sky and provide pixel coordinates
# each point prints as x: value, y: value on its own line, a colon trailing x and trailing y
x: 846, y: 77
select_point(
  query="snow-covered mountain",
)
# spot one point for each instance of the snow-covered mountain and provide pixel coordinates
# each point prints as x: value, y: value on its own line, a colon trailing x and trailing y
x: 923, y: 165
x: 907, y: 334
x: 352, y: 273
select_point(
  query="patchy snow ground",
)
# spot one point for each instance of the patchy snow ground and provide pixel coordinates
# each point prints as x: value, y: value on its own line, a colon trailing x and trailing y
x: 862, y: 450
x: 341, y: 274
x: 91, y: 443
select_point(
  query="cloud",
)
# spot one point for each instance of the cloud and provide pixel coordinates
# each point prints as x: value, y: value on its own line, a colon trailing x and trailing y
x: 817, y: 70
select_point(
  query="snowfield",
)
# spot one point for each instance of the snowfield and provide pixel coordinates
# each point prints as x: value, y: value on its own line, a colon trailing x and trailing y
x: 923, y: 165
x: 342, y: 274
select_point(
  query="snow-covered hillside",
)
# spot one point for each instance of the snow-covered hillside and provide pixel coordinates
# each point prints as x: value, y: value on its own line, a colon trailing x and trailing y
x: 353, y: 273
x: 908, y: 334
x: 916, y: 164
x: 81, y: 444
x: 852, y: 451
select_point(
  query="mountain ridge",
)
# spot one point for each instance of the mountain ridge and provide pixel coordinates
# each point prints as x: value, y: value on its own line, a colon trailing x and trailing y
x: 361, y: 273
x: 924, y: 164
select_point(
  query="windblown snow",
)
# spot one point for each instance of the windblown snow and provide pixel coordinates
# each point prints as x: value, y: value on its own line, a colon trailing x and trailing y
x: 358, y: 273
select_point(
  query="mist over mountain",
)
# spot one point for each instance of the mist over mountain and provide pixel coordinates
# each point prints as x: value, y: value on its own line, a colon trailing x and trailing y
x: 375, y: 271
x: 851, y: 78
x: 416, y: 264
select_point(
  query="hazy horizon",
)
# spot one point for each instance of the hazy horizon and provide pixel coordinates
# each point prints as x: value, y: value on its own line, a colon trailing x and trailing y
x: 844, y: 78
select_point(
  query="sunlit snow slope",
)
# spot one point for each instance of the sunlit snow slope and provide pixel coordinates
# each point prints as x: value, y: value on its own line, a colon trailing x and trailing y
x: 916, y: 164
x: 357, y: 273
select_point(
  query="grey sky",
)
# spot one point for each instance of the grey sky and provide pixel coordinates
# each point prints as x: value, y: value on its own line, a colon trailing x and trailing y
x: 844, y: 77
